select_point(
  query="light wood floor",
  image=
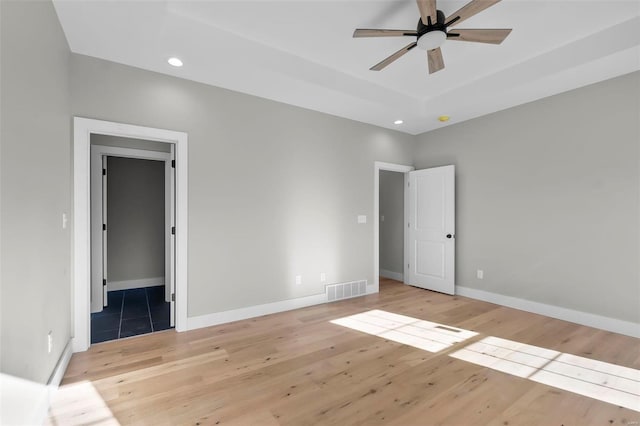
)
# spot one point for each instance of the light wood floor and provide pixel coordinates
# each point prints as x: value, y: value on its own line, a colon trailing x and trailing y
x: 297, y: 368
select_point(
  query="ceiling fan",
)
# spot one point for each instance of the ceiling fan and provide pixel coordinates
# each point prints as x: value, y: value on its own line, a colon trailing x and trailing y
x: 433, y: 30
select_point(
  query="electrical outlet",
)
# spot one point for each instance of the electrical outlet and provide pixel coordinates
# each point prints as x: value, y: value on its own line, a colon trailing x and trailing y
x: 480, y: 274
x: 64, y: 221
x: 49, y: 342
x: 362, y: 218
x: 323, y: 277
x: 298, y: 279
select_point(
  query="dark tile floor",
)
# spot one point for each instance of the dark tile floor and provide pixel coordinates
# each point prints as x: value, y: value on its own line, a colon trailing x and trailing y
x: 131, y: 312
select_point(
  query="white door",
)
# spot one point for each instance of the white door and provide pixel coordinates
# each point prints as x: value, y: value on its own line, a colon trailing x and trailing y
x: 431, y: 263
x: 98, y: 230
x: 104, y: 231
x: 170, y: 249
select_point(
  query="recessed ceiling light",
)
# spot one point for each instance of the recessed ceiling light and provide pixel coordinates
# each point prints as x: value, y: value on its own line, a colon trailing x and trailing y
x: 398, y: 122
x: 175, y: 62
x: 443, y: 118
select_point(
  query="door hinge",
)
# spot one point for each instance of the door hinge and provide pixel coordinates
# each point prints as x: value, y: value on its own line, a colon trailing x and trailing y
x: 104, y: 282
x: 173, y: 164
x: 104, y: 226
x: 104, y: 172
x: 173, y: 297
x: 173, y: 230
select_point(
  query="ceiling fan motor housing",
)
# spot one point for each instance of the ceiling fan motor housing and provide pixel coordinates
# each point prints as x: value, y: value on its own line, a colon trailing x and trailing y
x: 433, y: 35
x: 434, y: 26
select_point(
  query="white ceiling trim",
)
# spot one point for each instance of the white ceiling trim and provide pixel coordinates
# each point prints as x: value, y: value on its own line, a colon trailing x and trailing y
x: 302, y: 53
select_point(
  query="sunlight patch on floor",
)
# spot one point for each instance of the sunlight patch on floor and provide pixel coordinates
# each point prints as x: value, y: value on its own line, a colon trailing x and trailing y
x: 595, y: 379
x: 80, y: 404
x: 421, y: 334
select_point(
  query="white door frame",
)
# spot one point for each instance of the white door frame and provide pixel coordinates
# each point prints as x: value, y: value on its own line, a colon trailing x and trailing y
x: 377, y: 166
x: 83, y: 128
x: 98, y: 207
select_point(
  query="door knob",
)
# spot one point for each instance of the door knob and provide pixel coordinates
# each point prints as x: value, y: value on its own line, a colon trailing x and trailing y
x: 449, y: 236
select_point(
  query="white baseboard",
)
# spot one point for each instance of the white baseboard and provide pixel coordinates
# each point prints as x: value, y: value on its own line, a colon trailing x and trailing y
x: 254, y: 311
x: 592, y: 320
x: 398, y: 276
x: 129, y: 284
x: 61, y: 366
x: 58, y: 373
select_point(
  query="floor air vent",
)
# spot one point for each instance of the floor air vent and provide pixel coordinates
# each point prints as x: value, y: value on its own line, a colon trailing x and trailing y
x: 346, y: 290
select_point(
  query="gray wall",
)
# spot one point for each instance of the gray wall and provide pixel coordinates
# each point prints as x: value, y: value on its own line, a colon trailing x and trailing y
x: 392, y: 228
x: 547, y: 198
x: 135, y: 218
x: 35, y: 190
x: 274, y: 190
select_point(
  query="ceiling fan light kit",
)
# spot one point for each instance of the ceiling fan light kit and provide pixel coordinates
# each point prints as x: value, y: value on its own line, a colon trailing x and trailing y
x: 432, y: 32
x: 432, y: 40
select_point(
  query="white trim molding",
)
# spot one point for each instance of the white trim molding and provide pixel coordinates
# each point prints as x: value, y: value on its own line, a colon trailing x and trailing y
x: 83, y: 128
x: 61, y: 367
x: 583, y: 318
x: 398, y: 276
x: 254, y: 311
x: 377, y: 166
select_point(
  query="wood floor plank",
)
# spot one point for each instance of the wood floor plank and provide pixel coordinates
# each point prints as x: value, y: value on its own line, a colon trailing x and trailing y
x: 299, y: 368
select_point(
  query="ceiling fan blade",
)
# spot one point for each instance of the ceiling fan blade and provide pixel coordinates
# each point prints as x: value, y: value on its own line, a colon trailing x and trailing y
x: 383, y: 33
x: 380, y: 65
x: 468, y: 10
x: 434, y: 57
x: 491, y: 36
x: 428, y: 11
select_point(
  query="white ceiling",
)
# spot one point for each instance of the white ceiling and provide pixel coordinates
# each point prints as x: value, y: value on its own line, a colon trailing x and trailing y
x: 302, y: 52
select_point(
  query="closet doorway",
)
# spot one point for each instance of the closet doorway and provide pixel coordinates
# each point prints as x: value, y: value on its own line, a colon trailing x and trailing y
x: 132, y: 244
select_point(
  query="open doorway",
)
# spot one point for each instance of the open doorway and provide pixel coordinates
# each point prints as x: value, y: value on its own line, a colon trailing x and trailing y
x: 429, y: 231
x: 386, y: 178
x: 133, y: 135
x: 391, y: 225
x: 132, y: 246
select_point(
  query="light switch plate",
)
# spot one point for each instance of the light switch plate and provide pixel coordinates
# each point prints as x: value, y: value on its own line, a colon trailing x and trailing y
x: 362, y: 218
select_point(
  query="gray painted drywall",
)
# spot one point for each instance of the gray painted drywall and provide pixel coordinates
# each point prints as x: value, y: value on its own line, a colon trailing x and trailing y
x: 120, y: 142
x: 547, y: 200
x: 35, y: 189
x: 135, y: 218
x: 274, y: 190
x: 392, y: 228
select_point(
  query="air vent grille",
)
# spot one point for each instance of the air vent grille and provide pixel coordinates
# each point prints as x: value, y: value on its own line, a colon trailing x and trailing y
x: 346, y: 290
